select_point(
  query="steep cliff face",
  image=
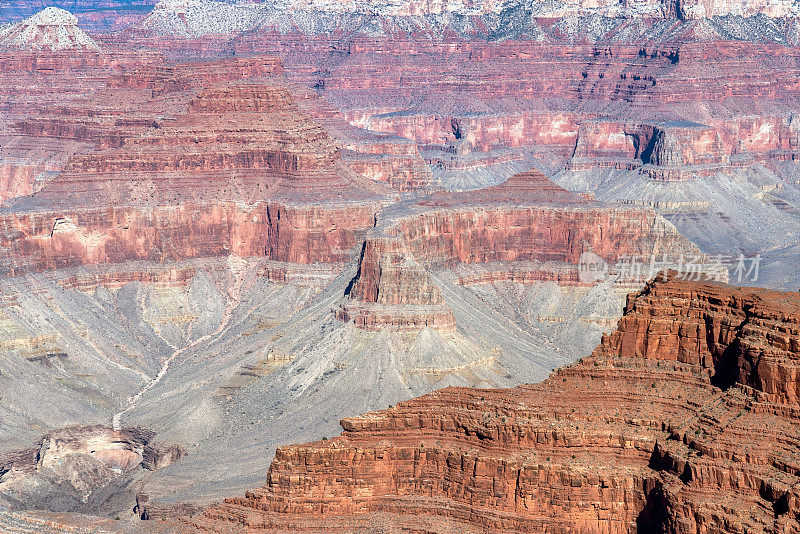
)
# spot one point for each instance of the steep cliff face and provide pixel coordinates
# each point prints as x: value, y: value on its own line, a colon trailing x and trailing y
x: 392, y: 289
x: 747, y: 337
x: 683, y: 420
x: 523, y: 86
x: 243, y: 172
x: 530, y: 218
x: 37, y: 242
x: 668, y: 144
x: 525, y: 230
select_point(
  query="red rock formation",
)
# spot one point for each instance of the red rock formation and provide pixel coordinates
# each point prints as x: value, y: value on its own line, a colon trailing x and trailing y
x: 27, y: 161
x: 476, y: 133
x: 471, y: 93
x: 374, y: 154
x: 243, y: 171
x: 529, y: 218
x: 527, y: 229
x: 300, y: 234
x: 671, y: 150
x: 393, y: 289
x: 747, y: 336
x: 683, y: 420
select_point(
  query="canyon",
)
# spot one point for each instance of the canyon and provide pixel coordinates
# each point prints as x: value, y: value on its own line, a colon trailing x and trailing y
x: 647, y: 110
x: 225, y: 227
x: 682, y: 420
x: 194, y: 254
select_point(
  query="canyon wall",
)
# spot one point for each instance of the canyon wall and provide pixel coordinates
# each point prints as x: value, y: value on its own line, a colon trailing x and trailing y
x: 525, y: 230
x: 392, y: 289
x: 54, y: 240
x: 242, y: 171
x: 529, y: 218
x: 682, y: 420
x: 747, y: 337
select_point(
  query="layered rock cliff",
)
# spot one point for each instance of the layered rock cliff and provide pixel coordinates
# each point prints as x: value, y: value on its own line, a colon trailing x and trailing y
x: 683, y: 420
x: 392, y: 289
x: 240, y: 171
x: 525, y: 230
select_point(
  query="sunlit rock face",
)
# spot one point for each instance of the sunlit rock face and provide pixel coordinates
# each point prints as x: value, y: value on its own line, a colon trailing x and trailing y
x: 526, y: 222
x: 51, y: 29
x: 93, y: 469
x: 236, y: 224
x: 241, y: 171
x: 624, y: 439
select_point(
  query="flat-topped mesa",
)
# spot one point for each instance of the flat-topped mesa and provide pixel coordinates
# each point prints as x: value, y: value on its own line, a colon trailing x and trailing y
x: 391, y: 289
x: 634, y: 438
x: 748, y: 336
x: 529, y: 218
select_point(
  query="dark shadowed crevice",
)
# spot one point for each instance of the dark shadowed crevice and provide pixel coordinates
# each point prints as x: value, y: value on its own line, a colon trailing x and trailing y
x: 654, y: 517
x: 726, y: 365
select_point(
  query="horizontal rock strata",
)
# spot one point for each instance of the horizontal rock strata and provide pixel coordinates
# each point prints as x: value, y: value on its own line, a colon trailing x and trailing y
x: 683, y: 420
x: 241, y: 171
x: 523, y: 222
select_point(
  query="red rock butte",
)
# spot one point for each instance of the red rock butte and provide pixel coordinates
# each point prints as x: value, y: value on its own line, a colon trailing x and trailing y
x: 525, y: 220
x: 685, y: 419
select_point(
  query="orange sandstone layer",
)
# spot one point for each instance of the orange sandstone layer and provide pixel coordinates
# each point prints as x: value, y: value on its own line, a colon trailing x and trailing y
x: 685, y: 419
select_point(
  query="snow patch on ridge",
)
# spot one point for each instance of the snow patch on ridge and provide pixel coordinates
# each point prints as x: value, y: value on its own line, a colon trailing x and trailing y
x: 50, y: 29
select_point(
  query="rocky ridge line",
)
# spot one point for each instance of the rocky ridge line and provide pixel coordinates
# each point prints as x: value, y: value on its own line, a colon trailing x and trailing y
x: 683, y: 420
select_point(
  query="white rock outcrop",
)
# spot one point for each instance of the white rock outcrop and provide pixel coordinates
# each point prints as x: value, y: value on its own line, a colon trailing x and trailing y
x: 50, y: 29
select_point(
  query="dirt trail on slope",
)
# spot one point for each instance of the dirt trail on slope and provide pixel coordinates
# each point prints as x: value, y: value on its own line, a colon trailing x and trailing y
x: 238, y: 268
